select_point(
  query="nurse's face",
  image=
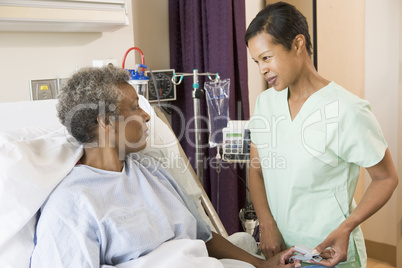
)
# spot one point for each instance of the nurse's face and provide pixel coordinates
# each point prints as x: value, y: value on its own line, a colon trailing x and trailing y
x: 131, y: 126
x: 275, y: 62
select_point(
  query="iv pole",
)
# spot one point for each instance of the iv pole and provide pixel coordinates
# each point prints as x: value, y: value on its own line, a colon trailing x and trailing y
x: 197, y: 95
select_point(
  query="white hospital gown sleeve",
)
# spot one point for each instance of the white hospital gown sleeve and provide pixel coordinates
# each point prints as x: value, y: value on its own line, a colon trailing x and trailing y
x: 63, y: 238
x: 361, y: 139
x: 203, y: 229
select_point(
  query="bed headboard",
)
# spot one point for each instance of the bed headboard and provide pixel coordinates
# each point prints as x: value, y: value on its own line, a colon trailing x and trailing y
x: 42, y: 113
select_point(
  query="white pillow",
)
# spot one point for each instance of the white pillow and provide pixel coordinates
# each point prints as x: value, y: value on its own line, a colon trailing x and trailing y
x: 29, y: 170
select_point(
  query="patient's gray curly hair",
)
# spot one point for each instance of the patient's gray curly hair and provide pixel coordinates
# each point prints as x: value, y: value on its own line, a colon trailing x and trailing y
x: 89, y: 93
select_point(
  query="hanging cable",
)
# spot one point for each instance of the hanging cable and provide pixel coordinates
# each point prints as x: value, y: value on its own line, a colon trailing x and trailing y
x: 156, y: 90
x: 240, y: 178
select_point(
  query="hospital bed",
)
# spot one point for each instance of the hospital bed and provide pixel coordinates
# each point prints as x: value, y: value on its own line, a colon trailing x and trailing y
x: 36, y: 153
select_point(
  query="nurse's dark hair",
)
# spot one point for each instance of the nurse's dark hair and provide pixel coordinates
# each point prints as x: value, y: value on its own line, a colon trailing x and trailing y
x: 90, y: 93
x: 283, y: 22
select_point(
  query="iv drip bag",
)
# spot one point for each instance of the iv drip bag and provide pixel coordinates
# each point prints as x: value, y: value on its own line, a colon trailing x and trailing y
x: 218, y: 109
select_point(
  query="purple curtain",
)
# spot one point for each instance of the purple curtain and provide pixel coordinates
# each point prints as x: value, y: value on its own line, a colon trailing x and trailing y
x: 208, y: 35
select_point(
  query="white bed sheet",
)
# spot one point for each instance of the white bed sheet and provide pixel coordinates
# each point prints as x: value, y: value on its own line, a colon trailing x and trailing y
x: 184, y: 253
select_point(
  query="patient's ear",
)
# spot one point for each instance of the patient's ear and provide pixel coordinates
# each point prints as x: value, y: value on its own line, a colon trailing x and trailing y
x: 106, y: 131
x: 105, y: 125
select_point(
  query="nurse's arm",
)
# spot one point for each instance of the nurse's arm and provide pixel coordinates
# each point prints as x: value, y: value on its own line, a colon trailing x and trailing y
x: 384, y: 181
x: 271, y: 241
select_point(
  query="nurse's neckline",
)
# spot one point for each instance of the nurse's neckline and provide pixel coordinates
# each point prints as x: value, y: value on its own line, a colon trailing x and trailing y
x: 317, y: 92
x: 324, y: 84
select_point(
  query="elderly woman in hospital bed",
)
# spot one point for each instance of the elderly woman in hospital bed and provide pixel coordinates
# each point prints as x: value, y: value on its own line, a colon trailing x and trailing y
x: 118, y: 207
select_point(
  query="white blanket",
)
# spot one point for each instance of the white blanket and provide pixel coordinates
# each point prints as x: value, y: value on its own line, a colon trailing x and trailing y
x: 182, y: 253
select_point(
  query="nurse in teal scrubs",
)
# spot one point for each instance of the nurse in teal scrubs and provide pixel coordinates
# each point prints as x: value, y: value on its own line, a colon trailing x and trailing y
x: 310, y: 137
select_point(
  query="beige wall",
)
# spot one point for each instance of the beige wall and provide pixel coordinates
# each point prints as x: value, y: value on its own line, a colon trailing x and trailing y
x: 340, y: 48
x: 399, y: 160
x: 151, y: 32
x: 305, y: 7
x: 256, y: 82
x: 381, y: 89
x: 34, y: 55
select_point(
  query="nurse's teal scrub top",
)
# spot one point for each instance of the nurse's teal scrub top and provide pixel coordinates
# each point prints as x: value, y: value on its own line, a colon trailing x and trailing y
x: 311, y: 165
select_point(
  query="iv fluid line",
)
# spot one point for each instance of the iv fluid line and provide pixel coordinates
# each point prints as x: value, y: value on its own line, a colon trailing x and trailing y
x: 218, y: 195
x: 240, y: 178
x: 218, y: 170
x: 169, y: 112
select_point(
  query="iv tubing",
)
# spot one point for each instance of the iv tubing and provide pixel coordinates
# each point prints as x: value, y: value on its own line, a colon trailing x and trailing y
x: 218, y: 171
x: 197, y: 112
x: 142, y: 57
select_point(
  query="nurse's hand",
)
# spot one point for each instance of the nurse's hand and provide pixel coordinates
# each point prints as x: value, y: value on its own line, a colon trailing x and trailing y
x: 281, y: 260
x: 271, y: 240
x: 334, y: 249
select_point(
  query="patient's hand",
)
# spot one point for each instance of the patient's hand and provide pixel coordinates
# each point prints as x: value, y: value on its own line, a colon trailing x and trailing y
x: 271, y: 241
x: 281, y: 260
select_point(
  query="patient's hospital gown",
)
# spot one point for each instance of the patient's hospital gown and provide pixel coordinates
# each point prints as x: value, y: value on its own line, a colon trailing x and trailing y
x: 97, y: 217
x: 311, y: 164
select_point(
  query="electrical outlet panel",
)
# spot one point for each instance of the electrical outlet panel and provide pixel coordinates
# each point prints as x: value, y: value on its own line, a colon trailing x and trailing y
x: 44, y: 89
x: 101, y: 63
x: 61, y: 82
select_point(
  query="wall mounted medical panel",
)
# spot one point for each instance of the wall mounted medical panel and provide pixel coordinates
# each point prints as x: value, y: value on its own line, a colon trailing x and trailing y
x: 62, y: 15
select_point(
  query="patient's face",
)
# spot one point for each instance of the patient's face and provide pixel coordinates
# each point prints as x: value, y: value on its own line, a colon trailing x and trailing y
x: 131, y: 126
